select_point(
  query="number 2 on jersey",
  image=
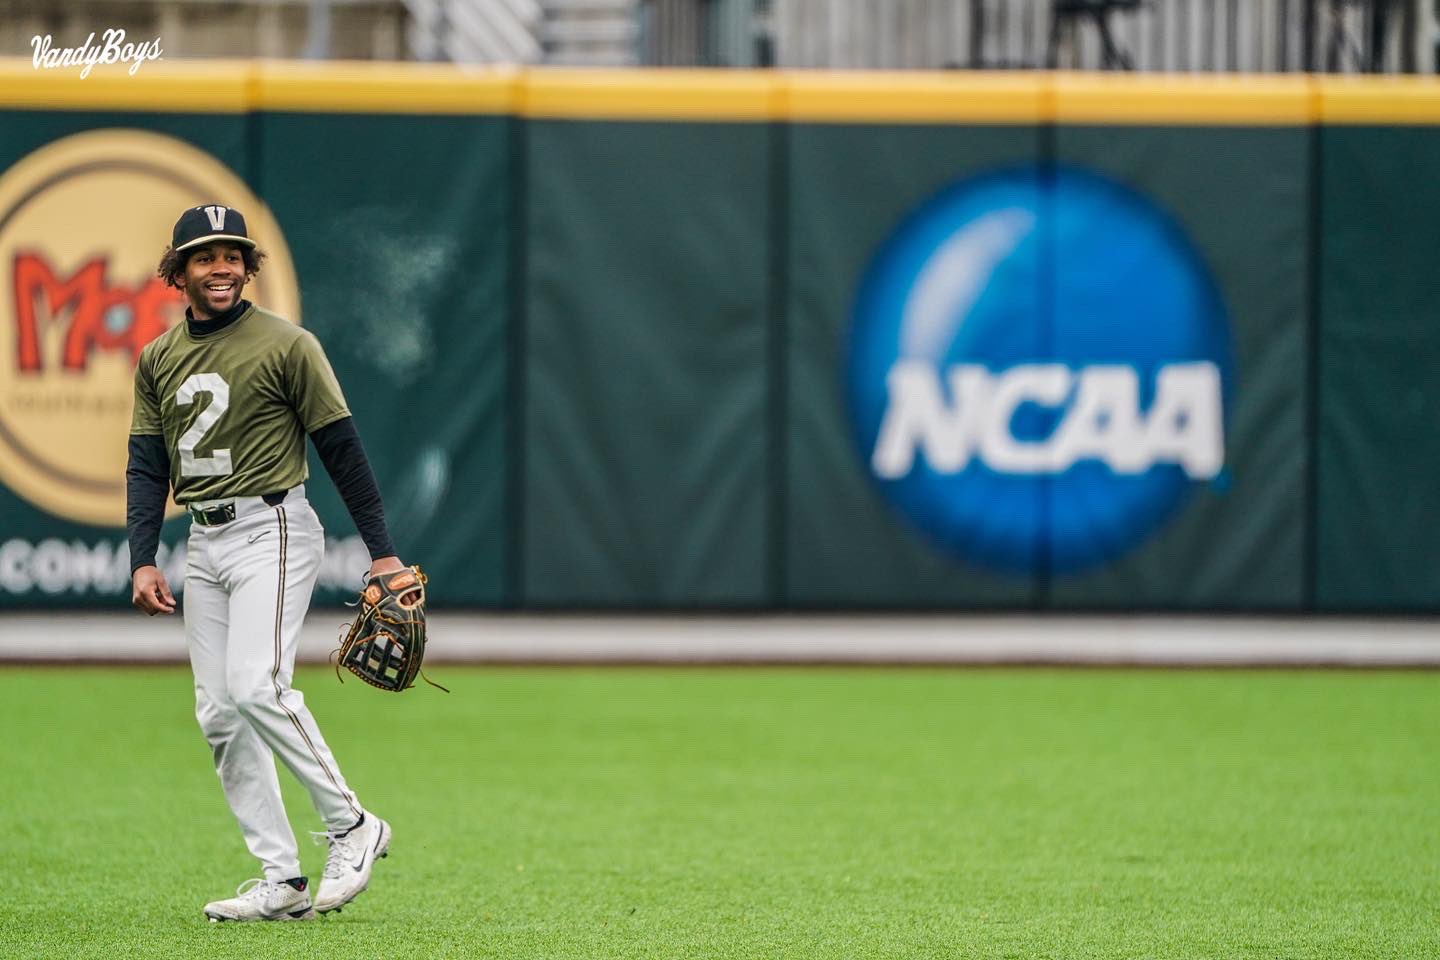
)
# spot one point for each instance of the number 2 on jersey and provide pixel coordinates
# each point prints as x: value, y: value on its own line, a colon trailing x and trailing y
x: 218, y: 463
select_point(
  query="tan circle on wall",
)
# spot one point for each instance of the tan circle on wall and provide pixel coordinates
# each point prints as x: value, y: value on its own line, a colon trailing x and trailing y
x: 83, y: 223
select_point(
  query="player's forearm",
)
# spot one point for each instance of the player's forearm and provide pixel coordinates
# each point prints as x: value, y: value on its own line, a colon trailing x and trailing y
x: 344, y: 458
x: 147, y: 483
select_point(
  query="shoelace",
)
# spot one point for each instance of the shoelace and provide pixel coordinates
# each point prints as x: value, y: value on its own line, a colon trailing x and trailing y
x: 255, y: 888
x: 338, y: 859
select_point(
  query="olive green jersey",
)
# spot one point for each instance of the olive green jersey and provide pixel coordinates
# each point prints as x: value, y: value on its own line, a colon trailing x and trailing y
x: 235, y: 405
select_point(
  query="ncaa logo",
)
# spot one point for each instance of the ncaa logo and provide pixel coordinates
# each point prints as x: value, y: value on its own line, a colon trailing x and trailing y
x: 1039, y: 370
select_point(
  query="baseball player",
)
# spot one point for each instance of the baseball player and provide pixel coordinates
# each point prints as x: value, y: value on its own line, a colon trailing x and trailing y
x: 223, y: 403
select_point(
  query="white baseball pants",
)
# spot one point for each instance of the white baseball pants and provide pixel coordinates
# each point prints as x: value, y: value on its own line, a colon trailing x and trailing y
x: 247, y: 587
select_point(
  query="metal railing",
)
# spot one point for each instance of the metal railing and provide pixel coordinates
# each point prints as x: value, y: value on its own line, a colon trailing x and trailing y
x: 577, y: 32
x: 1395, y: 36
x: 591, y: 32
x: 475, y: 31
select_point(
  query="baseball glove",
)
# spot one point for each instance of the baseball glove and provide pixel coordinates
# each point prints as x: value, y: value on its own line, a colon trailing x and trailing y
x: 385, y: 645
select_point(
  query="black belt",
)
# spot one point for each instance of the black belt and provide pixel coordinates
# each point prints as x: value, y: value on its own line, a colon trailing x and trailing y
x: 223, y: 514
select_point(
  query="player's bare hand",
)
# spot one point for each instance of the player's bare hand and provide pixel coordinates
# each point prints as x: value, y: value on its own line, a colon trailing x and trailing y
x: 150, y: 593
x: 385, y: 565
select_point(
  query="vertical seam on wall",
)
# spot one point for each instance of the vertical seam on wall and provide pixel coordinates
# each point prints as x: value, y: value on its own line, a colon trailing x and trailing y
x: 1048, y: 149
x: 518, y: 212
x: 778, y: 405
x: 1314, y: 250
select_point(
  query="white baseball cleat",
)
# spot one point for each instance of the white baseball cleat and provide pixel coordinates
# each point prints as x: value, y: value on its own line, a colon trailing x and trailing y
x: 259, y: 899
x: 352, y: 856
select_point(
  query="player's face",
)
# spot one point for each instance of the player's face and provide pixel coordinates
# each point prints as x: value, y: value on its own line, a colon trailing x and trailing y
x: 214, y: 277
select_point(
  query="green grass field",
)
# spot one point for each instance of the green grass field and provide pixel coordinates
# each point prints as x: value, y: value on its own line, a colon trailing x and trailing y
x: 726, y: 813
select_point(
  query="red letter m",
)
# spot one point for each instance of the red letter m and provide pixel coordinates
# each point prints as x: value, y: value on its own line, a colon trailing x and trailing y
x: 91, y: 303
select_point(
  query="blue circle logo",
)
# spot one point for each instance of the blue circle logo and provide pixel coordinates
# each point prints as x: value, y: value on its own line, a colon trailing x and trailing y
x: 1039, y: 370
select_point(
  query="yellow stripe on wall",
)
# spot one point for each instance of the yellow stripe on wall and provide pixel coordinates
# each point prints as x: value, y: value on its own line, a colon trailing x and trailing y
x: 170, y: 86
x: 649, y: 94
x: 1169, y: 100
x: 961, y: 97
x: 914, y: 97
x: 367, y: 87
x: 1383, y: 101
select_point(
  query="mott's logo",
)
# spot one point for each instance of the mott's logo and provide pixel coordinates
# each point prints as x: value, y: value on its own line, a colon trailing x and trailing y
x: 83, y: 222
x: 1039, y: 370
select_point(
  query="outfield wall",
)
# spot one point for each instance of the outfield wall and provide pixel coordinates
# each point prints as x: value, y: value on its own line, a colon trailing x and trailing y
x: 599, y: 329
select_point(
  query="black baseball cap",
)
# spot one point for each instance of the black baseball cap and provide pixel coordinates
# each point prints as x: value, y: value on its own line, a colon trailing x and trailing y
x: 207, y: 223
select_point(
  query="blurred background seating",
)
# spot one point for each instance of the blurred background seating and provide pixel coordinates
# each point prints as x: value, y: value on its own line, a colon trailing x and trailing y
x: 1251, y: 36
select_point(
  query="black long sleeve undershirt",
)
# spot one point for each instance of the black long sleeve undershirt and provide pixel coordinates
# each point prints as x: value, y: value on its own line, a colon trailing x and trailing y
x: 344, y: 458
x: 147, y: 484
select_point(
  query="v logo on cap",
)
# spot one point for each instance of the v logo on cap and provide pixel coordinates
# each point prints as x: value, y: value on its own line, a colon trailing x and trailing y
x: 205, y: 224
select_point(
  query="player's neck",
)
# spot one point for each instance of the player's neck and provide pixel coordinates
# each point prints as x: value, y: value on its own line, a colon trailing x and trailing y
x: 219, y: 321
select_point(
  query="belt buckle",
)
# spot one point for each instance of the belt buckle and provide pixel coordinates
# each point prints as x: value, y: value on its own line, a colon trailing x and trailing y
x: 214, y: 516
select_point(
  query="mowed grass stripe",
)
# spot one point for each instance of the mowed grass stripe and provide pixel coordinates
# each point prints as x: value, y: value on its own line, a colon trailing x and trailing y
x: 595, y: 813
